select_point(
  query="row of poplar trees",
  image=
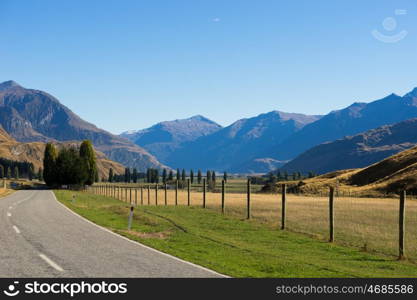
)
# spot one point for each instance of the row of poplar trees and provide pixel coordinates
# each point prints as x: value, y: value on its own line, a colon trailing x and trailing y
x: 70, y: 165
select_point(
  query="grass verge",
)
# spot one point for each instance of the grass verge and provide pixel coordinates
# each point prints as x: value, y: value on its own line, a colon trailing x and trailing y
x: 232, y: 246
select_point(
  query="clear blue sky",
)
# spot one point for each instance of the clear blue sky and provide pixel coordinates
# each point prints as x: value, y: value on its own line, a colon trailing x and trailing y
x: 129, y: 64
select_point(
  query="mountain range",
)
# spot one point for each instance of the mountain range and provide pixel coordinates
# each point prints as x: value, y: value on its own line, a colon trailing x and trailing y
x: 357, y: 151
x: 272, y: 140
x: 167, y: 137
x: 352, y: 137
x: 354, y: 119
x: 227, y: 148
x: 30, y: 115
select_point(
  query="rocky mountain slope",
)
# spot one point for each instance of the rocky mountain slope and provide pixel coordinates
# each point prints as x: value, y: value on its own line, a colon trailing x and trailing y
x: 33, y: 152
x: 31, y: 115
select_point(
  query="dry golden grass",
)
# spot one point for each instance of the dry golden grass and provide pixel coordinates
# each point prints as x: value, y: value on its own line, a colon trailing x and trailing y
x: 367, y: 223
x: 5, y: 192
x: 388, y: 176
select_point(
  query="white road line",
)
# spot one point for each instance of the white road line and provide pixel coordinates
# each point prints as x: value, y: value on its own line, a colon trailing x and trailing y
x: 51, y: 263
x: 16, y: 229
x: 9, y: 214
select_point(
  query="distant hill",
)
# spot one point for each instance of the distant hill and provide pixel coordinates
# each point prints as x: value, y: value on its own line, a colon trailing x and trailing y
x: 357, y: 151
x: 30, y: 115
x: 33, y: 152
x: 166, y: 137
x: 357, y: 118
x: 240, y: 143
x: 390, y: 175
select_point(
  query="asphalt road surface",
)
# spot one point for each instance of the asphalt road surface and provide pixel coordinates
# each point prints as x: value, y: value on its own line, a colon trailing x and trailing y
x: 39, y: 237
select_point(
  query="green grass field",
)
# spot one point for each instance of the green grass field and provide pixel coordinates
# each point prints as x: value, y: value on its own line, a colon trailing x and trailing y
x: 232, y: 246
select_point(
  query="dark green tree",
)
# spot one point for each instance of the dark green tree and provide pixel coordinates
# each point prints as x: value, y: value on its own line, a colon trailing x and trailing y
x: 135, y: 175
x: 49, y: 165
x: 164, y: 176
x: 183, y: 175
x: 127, y: 175
x: 9, y: 173
x: 156, y: 175
x: 191, y: 176
x: 111, y: 175
x: 71, y: 168
x: 16, y: 172
x: 171, y: 175
x: 148, y: 175
x: 88, y: 157
x: 208, y: 176
x: 199, y: 176
x: 40, y: 174
x: 225, y: 176
x: 1, y: 171
x: 31, y: 173
x: 213, y: 176
x: 178, y: 175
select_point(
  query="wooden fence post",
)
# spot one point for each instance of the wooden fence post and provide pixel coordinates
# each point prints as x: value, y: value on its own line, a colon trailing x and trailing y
x: 283, y: 205
x: 223, y: 187
x: 136, y: 196
x: 126, y: 194
x: 248, y: 200
x: 130, y: 192
x: 176, y: 192
x: 149, y: 194
x: 188, y: 192
x: 141, y: 195
x: 331, y: 215
x: 166, y: 194
x: 156, y: 194
x: 204, y: 193
x: 401, y: 225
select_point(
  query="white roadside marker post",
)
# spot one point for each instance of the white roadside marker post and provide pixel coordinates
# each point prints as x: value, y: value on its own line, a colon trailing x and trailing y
x: 129, y: 226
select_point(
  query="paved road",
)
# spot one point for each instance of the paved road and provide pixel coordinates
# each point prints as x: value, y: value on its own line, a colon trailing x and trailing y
x: 39, y: 237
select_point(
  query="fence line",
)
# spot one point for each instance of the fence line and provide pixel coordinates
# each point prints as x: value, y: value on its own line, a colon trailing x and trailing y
x: 338, y: 209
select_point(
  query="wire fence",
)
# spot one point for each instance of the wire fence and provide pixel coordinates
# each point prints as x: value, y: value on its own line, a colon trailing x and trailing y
x: 371, y: 224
